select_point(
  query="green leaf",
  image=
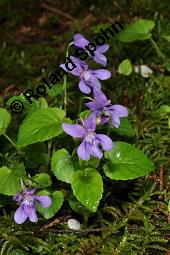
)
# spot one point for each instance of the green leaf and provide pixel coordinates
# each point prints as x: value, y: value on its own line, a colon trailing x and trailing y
x: 9, y: 179
x: 57, y: 201
x: 169, y: 122
x: 40, y: 125
x: 5, y: 119
x: 125, y: 67
x: 139, y: 30
x: 62, y: 166
x: 85, y: 114
x: 42, y: 179
x: 40, y: 103
x: 125, y: 128
x: 126, y: 162
x: 92, y: 162
x: 164, y: 109
x: 87, y: 186
x: 78, y: 207
x: 55, y: 90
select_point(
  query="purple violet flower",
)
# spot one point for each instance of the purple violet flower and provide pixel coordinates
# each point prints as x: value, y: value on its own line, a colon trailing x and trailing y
x: 88, y: 78
x: 27, y: 208
x: 80, y: 42
x: 102, y: 107
x: 90, y: 140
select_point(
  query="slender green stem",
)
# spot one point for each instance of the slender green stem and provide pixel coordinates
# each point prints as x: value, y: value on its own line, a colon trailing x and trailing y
x: 65, y: 92
x: 10, y: 140
x: 65, y: 82
x: 155, y: 46
x: 109, y: 128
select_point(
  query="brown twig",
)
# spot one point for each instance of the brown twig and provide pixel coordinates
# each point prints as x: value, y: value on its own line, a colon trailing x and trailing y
x: 55, y: 10
x: 54, y: 222
x: 85, y: 230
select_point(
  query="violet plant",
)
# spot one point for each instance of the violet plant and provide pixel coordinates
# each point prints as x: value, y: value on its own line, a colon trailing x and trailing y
x: 98, y: 154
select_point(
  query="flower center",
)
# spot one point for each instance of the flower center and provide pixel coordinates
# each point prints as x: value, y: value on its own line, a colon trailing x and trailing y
x: 28, y: 199
x: 86, y: 75
x: 90, y: 137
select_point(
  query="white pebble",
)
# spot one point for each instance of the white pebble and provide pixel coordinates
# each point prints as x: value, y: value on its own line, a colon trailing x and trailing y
x: 74, y: 224
x: 144, y: 70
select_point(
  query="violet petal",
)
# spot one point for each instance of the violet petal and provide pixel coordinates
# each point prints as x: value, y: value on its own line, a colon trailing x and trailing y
x: 80, y: 41
x: 103, y: 48
x: 100, y: 58
x: 82, y: 152
x: 102, y: 74
x: 45, y: 201
x: 90, y: 122
x: 95, y: 151
x: 20, y: 216
x: 74, y: 130
x: 120, y: 110
x: 105, y: 142
x: 83, y: 87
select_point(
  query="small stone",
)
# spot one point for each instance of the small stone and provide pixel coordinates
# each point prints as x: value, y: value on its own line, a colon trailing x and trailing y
x: 144, y: 70
x: 74, y: 224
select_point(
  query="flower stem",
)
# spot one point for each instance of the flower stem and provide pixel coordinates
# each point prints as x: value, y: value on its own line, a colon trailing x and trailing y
x: 65, y: 81
x: 155, y: 46
x: 10, y: 140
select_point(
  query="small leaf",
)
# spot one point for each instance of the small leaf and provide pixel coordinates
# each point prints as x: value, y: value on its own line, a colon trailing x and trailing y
x: 62, y: 166
x: 125, y: 67
x: 5, y: 119
x: 57, y: 201
x: 9, y: 179
x: 164, y: 109
x: 87, y: 186
x: 40, y: 103
x: 85, y: 114
x: 126, y: 162
x: 42, y: 179
x: 139, y: 30
x: 40, y: 125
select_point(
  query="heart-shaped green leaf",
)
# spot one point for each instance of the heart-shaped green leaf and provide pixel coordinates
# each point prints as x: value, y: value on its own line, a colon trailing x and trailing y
x: 42, y: 179
x: 139, y: 30
x: 62, y: 166
x: 126, y: 162
x: 57, y: 201
x: 5, y: 119
x: 87, y: 186
x: 9, y: 179
x: 40, y: 125
x: 125, y: 67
